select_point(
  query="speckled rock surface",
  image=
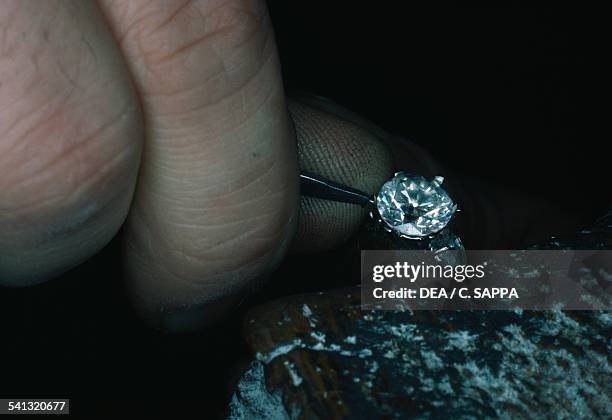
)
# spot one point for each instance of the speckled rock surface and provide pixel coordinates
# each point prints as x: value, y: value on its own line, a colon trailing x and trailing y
x: 325, y: 357
x: 321, y: 356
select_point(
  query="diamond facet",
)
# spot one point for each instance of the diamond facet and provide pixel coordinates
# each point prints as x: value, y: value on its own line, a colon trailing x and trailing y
x: 414, y: 206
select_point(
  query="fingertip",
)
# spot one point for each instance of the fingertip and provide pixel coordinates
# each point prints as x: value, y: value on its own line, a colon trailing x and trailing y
x: 343, y: 151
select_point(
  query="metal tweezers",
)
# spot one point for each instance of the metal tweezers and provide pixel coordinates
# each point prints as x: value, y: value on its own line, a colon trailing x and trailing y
x: 318, y: 187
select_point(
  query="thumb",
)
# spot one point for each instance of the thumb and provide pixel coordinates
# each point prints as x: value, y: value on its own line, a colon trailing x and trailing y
x: 342, y: 149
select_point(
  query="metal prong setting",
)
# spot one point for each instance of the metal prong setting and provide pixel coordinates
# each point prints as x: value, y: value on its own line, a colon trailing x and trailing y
x: 375, y: 216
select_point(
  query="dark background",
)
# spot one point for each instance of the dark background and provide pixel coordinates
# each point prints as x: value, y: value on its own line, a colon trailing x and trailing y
x: 511, y: 95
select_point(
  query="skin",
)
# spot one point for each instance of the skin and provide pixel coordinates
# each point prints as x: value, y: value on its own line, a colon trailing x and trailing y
x: 167, y: 119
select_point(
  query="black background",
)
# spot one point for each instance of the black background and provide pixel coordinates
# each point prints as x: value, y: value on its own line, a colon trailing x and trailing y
x: 511, y: 95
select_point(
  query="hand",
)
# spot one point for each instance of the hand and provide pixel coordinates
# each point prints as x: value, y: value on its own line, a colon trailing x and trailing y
x: 168, y: 118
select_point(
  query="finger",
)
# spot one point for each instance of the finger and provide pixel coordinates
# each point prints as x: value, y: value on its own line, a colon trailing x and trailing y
x: 342, y: 151
x: 492, y: 217
x: 70, y: 137
x: 217, y: 196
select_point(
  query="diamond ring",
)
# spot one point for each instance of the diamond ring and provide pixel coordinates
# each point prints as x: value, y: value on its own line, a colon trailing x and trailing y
x: 410, y: 206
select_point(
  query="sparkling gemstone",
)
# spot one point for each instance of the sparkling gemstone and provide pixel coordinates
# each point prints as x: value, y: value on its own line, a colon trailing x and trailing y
x: 414, y: 206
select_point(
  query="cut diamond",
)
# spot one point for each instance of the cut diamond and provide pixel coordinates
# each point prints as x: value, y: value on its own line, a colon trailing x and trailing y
x: 414, y: 206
